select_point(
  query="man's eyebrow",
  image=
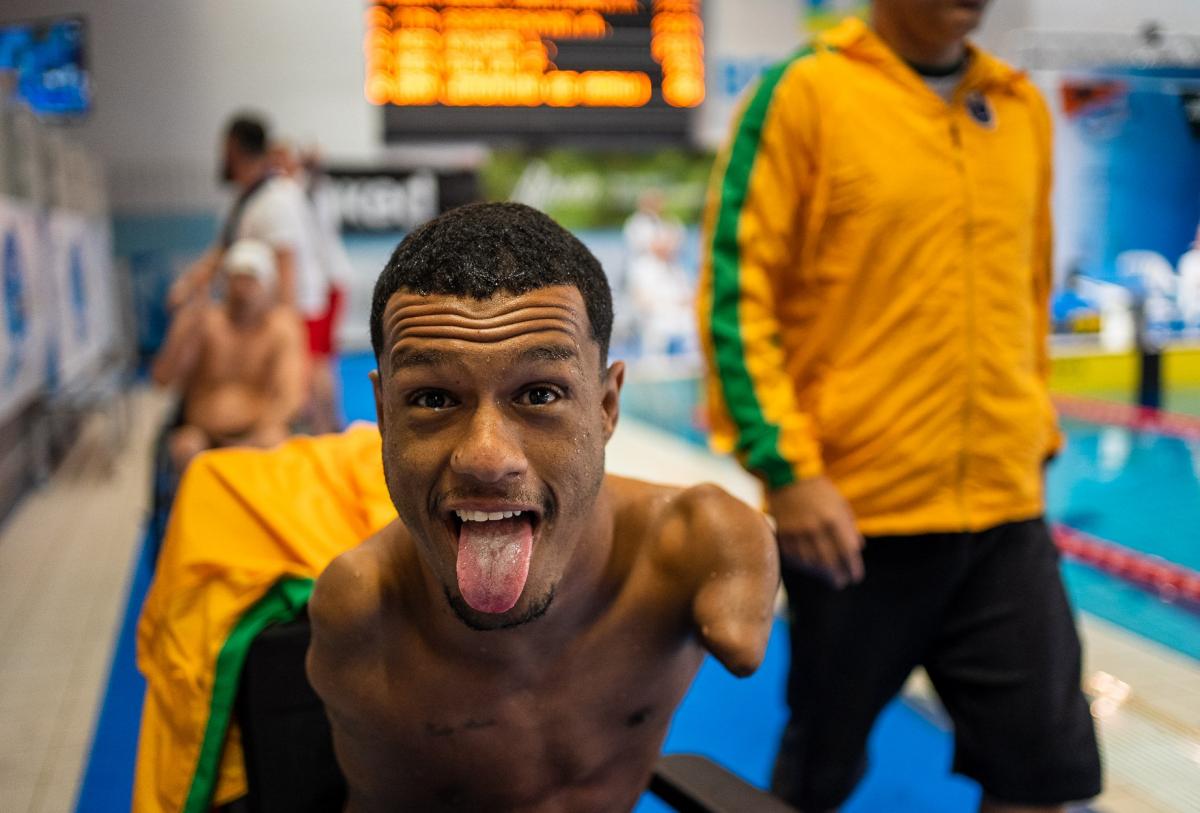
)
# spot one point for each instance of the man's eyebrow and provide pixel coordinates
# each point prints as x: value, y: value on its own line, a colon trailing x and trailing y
x: 407, y: 357
x: 550, y: 352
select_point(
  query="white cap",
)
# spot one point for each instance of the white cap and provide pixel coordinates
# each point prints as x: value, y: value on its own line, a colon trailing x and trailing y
x: 252, y: 257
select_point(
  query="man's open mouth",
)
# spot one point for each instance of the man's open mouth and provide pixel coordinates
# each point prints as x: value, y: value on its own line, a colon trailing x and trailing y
x: 495, y: 545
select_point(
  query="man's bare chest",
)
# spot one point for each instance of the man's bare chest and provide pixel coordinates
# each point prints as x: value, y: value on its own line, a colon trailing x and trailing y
x: 439, y: 732
x: 233, y: 357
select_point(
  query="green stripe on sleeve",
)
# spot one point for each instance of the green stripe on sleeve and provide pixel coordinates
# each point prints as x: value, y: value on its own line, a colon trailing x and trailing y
x: 758, y: 439
x: 286, y: 599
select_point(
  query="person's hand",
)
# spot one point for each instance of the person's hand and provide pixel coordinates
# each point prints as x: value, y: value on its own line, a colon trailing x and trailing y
x: 179, y: 294
x: 191, y: 282
x: 816, y: 530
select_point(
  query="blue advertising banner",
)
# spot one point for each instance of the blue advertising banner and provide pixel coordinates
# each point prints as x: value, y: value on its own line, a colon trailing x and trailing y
x: 81, y: 278
x: 1127, y: 199
x: 22, y: 338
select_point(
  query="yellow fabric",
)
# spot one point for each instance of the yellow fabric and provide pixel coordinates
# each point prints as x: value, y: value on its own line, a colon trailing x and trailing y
x: 242, y: 520
x: 893, y: 268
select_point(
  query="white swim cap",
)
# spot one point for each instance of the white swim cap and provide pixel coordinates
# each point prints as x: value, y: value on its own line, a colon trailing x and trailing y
x: 252, y: 257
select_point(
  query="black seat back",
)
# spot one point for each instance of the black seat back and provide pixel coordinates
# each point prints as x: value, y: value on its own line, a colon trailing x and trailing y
x: 290, y: 765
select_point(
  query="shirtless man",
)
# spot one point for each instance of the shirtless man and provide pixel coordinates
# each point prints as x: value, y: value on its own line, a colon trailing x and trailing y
x: 519, y: 640
x: 241, y: 365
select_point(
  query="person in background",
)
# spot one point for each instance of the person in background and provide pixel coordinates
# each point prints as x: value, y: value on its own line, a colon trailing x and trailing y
x: 240, y: 365
x: 270, y: 208
x: 874, y: 306
x: 1071, y: 311
x: 657, y: 288
x: 333, y: 265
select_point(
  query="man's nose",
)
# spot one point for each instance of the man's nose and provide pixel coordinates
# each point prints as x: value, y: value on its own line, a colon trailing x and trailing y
x: 489, y: 450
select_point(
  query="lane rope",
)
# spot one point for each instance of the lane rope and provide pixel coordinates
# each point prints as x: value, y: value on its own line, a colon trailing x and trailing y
x: 1169, y: 581
x: 1141, y: 419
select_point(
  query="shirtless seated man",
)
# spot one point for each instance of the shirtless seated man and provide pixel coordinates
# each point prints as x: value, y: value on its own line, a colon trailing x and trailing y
x: 519, y: 639
x: 241, y: 365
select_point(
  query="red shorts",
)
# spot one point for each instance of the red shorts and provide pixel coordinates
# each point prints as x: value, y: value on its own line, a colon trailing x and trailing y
x: 322, y: 328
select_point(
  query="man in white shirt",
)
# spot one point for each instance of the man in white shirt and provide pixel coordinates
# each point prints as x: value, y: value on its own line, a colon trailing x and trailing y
x: 269, y: 208
x: 323, y: 294
x: 273, y: 209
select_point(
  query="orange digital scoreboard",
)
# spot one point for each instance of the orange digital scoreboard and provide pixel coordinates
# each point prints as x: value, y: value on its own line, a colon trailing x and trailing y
x: 544, y: 71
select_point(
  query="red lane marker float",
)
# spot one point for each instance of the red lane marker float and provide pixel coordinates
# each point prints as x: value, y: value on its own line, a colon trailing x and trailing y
x: 1142, y: 419
x: 1167, y: 580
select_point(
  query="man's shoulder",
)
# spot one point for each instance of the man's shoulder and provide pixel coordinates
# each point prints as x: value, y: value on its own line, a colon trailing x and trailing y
x: 794, y: 73
x: 788, y: 94
x: 280, y: 198
x: 280, y: 187
x: 214, y: 317
x: 685, y: 524
x: 702, y: 502
x: 1025, y: 89
x: 347, y: 597
x: 713, y: 516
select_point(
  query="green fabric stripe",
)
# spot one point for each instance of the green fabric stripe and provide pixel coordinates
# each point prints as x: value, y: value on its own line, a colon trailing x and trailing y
x: 758, y: 440
x: 283, y: 602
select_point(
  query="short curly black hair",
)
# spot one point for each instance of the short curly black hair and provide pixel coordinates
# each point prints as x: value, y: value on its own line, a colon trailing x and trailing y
x: 249, y: 132
x: 480, y: 249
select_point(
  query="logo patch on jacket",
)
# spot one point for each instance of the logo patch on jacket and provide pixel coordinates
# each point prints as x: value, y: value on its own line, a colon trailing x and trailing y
x: 980, y: 109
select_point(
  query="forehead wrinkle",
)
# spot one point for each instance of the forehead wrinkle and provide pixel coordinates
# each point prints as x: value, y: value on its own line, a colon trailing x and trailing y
x: 413, y: 357
x: 404, y: 355
x: 424, y: 320
x: 466, y: 320
x: 470, y: 307
x: 484, y: 335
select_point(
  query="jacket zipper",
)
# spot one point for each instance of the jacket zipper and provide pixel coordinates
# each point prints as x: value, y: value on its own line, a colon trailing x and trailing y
x: 968, y: 320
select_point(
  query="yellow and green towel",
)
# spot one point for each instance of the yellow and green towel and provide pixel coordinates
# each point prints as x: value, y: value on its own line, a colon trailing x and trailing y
x: 249, y: 532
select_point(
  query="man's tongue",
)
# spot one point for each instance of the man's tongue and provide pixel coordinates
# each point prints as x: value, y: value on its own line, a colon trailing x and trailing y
x: 493, y: 562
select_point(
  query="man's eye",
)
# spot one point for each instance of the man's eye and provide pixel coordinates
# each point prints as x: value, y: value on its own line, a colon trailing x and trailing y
x: 432, y: 399
x: 539, y: 396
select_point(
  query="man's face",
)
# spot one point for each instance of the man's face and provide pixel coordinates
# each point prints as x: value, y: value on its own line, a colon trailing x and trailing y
x: 284, y: 160
x: 494, y: 415
x: 245, y: 293
x: 938, y: 20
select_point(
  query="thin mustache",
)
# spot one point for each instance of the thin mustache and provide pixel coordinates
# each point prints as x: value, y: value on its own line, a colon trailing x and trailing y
x: 524, y: 498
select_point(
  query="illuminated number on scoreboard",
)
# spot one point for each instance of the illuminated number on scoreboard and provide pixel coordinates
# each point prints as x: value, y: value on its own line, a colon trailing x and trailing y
x: 539, y: 68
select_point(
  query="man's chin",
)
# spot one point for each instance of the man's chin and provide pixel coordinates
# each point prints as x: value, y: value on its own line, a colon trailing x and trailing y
x: 963, y: 21
x: 526, y: 610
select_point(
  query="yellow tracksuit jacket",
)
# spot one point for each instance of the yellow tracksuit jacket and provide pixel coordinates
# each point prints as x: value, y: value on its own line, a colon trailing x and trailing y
x: 874, y: 295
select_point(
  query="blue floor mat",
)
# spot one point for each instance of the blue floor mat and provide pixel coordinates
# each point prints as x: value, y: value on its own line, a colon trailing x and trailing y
x: 358, y: 400
x: 107, y: 784
x: 736, y: 722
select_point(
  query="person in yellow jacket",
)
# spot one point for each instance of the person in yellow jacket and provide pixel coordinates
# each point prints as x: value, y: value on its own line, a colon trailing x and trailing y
x: 874, y: 307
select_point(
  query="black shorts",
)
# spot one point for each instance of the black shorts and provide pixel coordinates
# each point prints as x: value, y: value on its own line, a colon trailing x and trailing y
x: 987, y: 616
